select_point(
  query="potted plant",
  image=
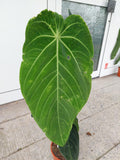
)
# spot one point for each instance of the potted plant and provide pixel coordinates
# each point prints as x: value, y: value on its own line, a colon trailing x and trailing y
x: 55, y: 76
x: 114, y: 54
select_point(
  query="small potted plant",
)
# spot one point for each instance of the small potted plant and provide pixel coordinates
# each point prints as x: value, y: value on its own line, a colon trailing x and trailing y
x: 55, y: 77
x: 115, y: 54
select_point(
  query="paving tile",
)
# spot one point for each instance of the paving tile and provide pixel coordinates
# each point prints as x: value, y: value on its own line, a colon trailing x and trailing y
x: 101, y: 83
x: 17, y: 134
x: 37, y: 151
x: 114, y: 154
x: 105, y: 133
x: 100, y: 100
x: 13, y: 110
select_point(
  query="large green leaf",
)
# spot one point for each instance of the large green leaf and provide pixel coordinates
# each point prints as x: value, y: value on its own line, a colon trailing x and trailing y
x: 55, y: 74
x: 115, y: 50
x: 71, y: 149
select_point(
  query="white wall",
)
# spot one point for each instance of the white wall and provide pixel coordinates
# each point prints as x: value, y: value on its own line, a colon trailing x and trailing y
x: 112, y: 36
x: 14, y: 16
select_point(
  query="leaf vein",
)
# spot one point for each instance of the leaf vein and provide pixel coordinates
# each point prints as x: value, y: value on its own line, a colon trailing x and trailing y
x: 69, y: 87
x: 43, y: 108
x: 77, y: 66
x: 37, y: 37
x: 36, y: 61
x: 43, y: 93
x: 41, y: 72
x: 47, y: 25
x: 71, y: 76
x: 69, y: 27
x: 76, y: 40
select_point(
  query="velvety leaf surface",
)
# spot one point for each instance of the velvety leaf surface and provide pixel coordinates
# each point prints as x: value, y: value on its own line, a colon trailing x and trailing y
x: 55, y: 74
x: 71, y: 149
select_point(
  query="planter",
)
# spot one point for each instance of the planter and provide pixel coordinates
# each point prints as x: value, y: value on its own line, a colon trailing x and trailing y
x: 118, y: 72
x: 55, y: 152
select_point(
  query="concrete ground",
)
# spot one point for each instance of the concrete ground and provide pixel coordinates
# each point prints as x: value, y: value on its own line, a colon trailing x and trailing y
x: 99, y: 121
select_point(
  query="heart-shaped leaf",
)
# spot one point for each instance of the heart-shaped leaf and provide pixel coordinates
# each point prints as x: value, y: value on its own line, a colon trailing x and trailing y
x: 55, y: 74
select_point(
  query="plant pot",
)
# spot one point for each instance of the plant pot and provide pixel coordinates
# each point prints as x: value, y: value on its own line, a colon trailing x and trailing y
x: 118, y: 72
x: 55, y: 152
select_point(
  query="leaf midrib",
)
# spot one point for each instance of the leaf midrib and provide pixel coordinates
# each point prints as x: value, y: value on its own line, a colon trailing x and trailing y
x: 57, y: 55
